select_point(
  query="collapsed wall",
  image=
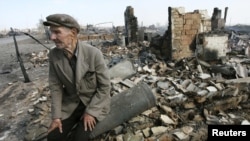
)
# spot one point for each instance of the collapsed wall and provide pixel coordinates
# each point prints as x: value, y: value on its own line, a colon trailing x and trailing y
x: 212, y: 46
x: 182, y: 30
x: 218, y: 23
x: 187, y: 31
x: 131, y: 25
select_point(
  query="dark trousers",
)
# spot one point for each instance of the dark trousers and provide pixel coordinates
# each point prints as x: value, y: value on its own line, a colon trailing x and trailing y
x: 73, y: 129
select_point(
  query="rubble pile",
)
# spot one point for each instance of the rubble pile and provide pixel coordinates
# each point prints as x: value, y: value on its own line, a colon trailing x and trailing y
x: 239, y: 43
x: 190, y: 93
x: 40, y: 58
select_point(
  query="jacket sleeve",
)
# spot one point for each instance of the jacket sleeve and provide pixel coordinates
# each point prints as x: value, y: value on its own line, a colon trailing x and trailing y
x: 55, y: 91
x: 99, y: 105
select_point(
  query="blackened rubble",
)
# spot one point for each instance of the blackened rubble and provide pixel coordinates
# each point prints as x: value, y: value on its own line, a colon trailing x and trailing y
x: 192, y: 87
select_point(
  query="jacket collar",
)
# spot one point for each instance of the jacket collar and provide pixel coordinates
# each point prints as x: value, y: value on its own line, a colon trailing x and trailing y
x: 81, y: 65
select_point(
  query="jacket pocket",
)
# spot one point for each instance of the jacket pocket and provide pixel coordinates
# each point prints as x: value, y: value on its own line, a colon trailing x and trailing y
x: 88, y: 82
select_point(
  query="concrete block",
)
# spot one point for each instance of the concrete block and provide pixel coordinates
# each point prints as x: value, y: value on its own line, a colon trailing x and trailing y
x: 123, y: 70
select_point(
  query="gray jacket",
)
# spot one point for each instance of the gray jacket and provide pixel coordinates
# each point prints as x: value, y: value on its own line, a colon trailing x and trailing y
x: 91, y: 85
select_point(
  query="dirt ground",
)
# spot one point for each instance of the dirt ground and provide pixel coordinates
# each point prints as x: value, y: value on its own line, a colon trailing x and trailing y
x: 15, y: 95
x: 9, y: 61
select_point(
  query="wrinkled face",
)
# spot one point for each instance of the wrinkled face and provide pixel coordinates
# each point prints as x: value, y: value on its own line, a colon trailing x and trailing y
x: 61, y: 36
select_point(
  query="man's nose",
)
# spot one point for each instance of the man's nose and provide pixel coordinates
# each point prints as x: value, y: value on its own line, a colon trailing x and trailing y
x: 52, y: 36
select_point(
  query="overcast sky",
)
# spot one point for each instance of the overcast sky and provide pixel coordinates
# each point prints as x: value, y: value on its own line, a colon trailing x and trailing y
x: 26, y: 13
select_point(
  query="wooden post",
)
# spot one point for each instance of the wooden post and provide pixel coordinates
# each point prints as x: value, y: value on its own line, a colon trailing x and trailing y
x: 26, y: 77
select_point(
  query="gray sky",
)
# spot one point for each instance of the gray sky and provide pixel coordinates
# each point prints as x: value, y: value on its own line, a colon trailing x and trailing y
x: 26, y: 13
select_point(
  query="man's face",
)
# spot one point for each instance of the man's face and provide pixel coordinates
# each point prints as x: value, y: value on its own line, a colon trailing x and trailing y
x: 61, y: 36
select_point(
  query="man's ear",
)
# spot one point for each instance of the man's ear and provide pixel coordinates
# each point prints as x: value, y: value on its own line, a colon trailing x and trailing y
x: 74, y: 31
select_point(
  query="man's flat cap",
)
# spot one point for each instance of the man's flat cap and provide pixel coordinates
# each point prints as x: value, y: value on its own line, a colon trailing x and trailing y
x: 62, y: 20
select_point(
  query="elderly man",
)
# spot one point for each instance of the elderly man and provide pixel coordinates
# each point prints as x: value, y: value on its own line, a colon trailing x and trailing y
x: 78, y: 80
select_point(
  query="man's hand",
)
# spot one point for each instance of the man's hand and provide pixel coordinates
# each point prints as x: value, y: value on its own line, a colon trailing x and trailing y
x: 56, y: 123
x: 89, y: 121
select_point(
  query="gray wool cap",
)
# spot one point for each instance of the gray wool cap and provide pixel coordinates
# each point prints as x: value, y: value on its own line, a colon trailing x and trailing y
x: 62, y: 20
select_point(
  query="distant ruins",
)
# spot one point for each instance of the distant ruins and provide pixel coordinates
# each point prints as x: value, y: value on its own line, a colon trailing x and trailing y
x: 184, y: 30
x: 188, y: 34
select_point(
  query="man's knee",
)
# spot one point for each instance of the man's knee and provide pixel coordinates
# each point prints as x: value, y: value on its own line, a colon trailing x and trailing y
x: 56, y: 136
x: 80, y: 134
